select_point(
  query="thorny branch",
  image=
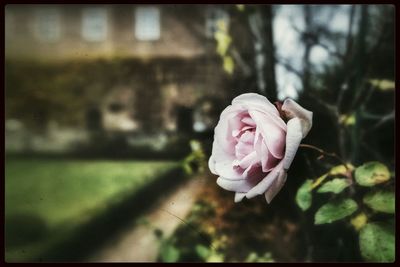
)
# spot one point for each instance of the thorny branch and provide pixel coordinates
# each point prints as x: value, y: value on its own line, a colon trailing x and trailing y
x: 329, y: 154
x: 383, y: 120
x: 191, y: 227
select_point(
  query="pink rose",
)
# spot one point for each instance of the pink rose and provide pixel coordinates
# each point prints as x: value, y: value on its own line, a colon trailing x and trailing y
x: 254, y: 146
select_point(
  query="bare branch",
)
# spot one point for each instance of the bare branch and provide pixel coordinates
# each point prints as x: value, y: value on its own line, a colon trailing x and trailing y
x: 294, y: 26
x: 350, y: 31
x: 370, y: 116
x: 331, y: 52
x: 382, y: 121
x: 331, y: 109
x: 329, y: 154
x: 242, y: 64
x: 289, y: 67
x: 373, y: 152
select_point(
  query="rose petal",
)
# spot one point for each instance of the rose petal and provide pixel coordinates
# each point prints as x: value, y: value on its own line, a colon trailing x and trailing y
x: 229, y: 110
x: 227, y: 170
x: 243, y: 130
x: 273, y: 135
x: 211, y: 165
x: 253, y: 173
x: 219, y: 154
x: 224, y: 128
x: 240, y: 186
x: 235, y: 124
x: 265, y: 183
x: 257, y: 139
x: 264, y: 156
x: 249, y: 160
x: 276, y: 119
x: 248, y: 120
x: 247, y: 137
x: 268, y: 161
x: 225, y: 144
x: 239, y: 197
x: 252, y: 100
x: 235, y: 133
x: 276, y: 186
x: 293, y: 139
x: 242, y: 149
x: 292, y: 110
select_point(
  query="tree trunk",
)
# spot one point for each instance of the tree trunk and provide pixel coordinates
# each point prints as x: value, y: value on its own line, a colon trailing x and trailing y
x: 260, y: 22
x: 359, y: 64
x: 308, y: 45
x: 269, y: 69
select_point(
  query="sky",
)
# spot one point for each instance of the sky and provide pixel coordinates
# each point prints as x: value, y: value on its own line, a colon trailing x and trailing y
x: 288, y: 45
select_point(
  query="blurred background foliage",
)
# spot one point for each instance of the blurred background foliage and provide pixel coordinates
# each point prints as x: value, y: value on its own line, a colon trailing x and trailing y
x: 109, y: 107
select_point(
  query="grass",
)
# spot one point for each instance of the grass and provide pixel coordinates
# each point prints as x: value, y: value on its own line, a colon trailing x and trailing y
x: 46, y: 200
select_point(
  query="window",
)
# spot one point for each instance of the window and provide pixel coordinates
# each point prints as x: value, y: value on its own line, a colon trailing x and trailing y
x: 213, y: 16
x: 147, y: 23
x: 48, y: 27
x: 94, y: 24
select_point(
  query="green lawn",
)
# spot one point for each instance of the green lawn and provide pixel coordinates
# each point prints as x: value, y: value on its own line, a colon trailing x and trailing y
x: 45, y: 200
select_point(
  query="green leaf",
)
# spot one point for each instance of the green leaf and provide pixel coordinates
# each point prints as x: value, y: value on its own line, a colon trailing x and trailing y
x: 222, y: 25
x: 383, y: 201
x: 229, y: 65
x: 372, y: 173
x: 303, y: 196
x: 187, y: 169
x: 215, y: 257
x: 169, y: 253
x: 318, y: 181
x: 223, y: 42
x: 383, y: 85
x: 240, y: 7
x: 347, y: 120
x: 341, y: 169
x: 359, y: 221
x: 336, y: 186
x: 334, y: 211
x: 142, y: 221
x: 377, y: 242
x: 254, y: 257
x: 203, y: 252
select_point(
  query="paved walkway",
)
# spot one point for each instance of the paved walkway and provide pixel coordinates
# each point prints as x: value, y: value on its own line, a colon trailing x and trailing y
x: 140, y: 244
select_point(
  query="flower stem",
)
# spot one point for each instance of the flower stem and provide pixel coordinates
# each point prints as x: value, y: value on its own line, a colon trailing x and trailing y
x: 324, y: 153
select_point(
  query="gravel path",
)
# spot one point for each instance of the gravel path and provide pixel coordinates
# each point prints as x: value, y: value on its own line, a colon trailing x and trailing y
x: 140, y: 244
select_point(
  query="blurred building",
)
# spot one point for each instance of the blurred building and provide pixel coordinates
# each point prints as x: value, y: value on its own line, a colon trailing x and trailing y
x: 131, y: 68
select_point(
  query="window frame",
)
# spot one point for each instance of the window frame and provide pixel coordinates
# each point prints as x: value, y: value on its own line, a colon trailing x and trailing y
x: 88, y: 15
x: 140, y: 24
x: 48, y: 19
